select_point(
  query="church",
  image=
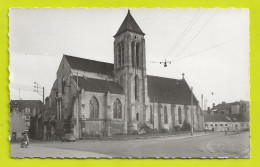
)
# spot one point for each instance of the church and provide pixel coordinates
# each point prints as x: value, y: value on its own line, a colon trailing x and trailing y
x: 93, y: 98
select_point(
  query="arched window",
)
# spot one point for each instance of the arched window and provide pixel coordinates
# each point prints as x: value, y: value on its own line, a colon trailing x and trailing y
x: 165, y: 115
x: 63, y: 84
x: 136, y: 87
x: 133, y: 53
x: 159, y: 116
x: 117, y: 111
x: 179, y: 115
x: 173, y: 114
x: 137, y: 55
x: 137, y: 116
x: 151, y: 114
x: 119, y: 56
x: 122, y: 54
x: 94, y: 108
x: 186, y: 112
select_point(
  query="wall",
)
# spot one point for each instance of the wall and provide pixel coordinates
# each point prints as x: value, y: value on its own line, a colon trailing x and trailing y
x: 127, y: 72
x: 198, y: 117
x: 235, y: 109
x: 229, y: 126
x: 17, y: 123
x: 105, y: 123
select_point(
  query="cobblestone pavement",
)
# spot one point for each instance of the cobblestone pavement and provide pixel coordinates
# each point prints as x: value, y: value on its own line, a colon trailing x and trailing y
x: 178, y: 147
x: 232, y: 146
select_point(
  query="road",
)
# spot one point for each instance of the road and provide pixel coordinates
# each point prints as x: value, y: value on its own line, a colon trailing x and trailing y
x: 216, y: 145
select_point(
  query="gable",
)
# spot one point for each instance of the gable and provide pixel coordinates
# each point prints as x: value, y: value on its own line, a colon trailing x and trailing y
x: 90, y: 65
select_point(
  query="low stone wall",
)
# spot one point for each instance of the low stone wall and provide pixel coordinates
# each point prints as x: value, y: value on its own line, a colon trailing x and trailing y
x: 91, y: 128
x: 116, y: 127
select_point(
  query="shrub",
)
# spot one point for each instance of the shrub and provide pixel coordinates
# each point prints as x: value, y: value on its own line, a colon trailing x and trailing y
x: 134, y: 132
x: 163, y: 130
x: 147, y: 129
x: 177, y: 128
x: 186, y: 126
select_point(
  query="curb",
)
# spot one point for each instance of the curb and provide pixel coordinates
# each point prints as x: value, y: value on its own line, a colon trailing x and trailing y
x: 174, y: 137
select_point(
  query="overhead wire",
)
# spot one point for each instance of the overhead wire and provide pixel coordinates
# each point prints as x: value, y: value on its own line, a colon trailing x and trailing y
x: 196, y: 35
x: 198, y: 52
x: 184, y: 33
x: 18, y: 85
x: 155, y: 19
x: 204, y: 50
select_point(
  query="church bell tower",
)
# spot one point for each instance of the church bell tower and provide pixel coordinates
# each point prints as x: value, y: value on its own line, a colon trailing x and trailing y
x: 130, y: 70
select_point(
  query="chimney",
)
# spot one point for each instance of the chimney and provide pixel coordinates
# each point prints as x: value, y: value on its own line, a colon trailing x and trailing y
x: 213, y: 105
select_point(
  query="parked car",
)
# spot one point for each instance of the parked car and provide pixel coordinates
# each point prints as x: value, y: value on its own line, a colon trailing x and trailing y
x: 68, y: 137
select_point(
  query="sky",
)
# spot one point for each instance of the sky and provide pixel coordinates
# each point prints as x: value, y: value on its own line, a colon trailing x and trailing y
x: 210, y: 46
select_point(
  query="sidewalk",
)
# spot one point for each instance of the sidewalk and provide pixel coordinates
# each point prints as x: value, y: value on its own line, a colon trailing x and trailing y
x: 149, y: 137
x: 47, y: 152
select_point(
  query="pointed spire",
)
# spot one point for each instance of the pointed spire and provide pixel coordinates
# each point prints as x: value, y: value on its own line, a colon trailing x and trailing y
x: 129, y: 24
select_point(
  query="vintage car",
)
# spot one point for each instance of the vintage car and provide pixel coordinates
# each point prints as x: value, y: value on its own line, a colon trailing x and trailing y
x: 68, y: 137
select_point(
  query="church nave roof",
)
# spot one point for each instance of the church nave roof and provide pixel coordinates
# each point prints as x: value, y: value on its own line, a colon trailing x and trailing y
x: 98, y: 85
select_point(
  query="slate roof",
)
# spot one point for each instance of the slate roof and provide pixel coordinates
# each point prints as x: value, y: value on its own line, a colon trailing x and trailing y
x: 22, y: 104
x: 160, y: 90
x: 129, y: 24
x: 171, y: 91
x: 225, y: 118
x: 55, y: 85
x: 223, y: 106
x: 98, y: 85
x: 90, y: 65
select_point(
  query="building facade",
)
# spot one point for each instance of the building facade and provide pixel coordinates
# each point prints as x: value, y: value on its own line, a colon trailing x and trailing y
x: 91, y: 98
x: 237, y: 107
x: 226, y: 122
x: 25, y: 117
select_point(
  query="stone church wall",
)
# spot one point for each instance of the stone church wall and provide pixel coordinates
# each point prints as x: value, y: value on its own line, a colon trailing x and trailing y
x: 158, y: 120
x: 105, y: 121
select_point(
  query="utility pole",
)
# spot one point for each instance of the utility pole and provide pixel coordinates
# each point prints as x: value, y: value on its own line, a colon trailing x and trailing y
x: 43, y: 95
x: 153, y: 113
x: 202, y: 102
x: 192, y: 121
x: 40, y: 90
x: 19, y: 94
x: 77, y: 118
